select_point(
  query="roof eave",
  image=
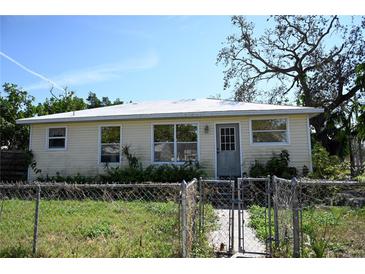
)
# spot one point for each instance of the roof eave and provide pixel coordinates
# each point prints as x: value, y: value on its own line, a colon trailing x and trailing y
x: 312, y: 112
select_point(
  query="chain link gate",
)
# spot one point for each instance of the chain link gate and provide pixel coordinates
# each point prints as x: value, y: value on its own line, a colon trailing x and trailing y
x: 232, y: 201
x: 253, y: 194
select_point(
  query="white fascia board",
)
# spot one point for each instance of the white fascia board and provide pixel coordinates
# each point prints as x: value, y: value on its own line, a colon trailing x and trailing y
x: 39, y: 120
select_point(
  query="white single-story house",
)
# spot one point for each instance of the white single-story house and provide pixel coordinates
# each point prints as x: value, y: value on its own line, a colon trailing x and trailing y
x: 226, y: 137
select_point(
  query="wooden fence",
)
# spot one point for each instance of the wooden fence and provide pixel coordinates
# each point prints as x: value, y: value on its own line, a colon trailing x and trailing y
x: 13, y: 166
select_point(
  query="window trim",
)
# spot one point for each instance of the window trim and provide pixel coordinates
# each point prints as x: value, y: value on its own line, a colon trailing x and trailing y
x: 120, y: 144
x: 175, y: 142
x: 252, y: 143
x: 47, y: 139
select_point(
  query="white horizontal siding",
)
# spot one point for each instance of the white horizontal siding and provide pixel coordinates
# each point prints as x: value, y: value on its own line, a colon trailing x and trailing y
x: 81, y: 155
x: 297, y: 147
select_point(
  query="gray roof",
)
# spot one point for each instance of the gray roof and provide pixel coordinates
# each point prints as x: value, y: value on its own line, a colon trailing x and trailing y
x: 171, y: 109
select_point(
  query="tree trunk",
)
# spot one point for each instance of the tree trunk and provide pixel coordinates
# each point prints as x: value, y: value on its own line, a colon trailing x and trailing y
x: 352, y: 160
x: 360, y: 154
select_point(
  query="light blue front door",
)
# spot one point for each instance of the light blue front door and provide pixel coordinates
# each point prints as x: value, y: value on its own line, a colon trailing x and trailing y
x: 228, y: 151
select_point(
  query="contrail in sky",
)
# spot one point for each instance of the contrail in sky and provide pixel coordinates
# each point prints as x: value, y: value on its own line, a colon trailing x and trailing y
x: 31, y: 71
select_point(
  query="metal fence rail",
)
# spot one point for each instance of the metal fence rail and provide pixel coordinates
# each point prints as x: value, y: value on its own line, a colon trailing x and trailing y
x: 254, y: 196
x: 231, y: 202
x: 318, y: 218
x: 245, y: 217
x: 91, y: 220
x: 217, y: 219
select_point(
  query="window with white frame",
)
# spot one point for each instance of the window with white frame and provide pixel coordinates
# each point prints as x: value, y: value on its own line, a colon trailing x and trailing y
x: 269, y: 131
x: 57, y: 138
x: 110, y: 144
x: 175, y: 143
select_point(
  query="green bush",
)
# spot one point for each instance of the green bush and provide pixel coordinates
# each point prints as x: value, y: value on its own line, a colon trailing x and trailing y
x: 135, y: 173
x: 79, y: 179
x: 258, y: 170
x: 327, y: 166
x: 305, y: 171
x: 154, y: 173
x: 278, y: 165
x: 361, y: 178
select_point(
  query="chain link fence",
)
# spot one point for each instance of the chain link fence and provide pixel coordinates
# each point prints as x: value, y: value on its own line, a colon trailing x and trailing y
x: 254, y: 209
x: 234, y: 230
x: 99, y: 220
x: 332, y: 218
x: 216, y: 200
x: 318, y: 218
x: 256, y: 217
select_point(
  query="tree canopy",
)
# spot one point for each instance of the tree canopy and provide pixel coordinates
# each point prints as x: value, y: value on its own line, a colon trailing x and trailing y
x: 16, y: 103
x: 314, y: 61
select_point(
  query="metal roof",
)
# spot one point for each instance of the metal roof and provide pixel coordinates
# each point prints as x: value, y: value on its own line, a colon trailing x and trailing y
x: 171, y: 109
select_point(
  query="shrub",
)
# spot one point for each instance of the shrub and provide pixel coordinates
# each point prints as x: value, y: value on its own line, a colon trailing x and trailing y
x: 133, y: 161
x: 125, y: 175
x: 258, y: 170
x: 305, y: 171
x: 361, y: 178
x: 327, y: 166
x: 154, y: 173
x: 278, y: 165
x: 135, y: 173
x: 80, y: 179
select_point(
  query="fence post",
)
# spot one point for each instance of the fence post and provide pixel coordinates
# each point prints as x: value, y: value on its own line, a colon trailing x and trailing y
x: 231, y: 249
x: 275, y: 201
x: 201, y: 213
x: 296, y: 240
x: 184, y: 220
x: 36, y: 219
x: 239, y: 213
x: 269, y: 191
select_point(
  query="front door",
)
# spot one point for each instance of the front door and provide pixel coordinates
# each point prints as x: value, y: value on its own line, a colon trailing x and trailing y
x: 228, y: 151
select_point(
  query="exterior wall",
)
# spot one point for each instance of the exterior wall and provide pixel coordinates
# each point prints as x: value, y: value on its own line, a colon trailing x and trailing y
x: 82, y: 153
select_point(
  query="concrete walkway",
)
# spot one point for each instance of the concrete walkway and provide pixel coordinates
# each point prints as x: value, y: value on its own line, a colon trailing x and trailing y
x: 220, y: 237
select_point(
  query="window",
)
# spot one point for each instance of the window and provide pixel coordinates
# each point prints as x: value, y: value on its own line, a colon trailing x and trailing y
x: 175, y: 143
x: 269, y: 131
x: 228, y: 139
x: 110, y: 144
x: 57, y: 138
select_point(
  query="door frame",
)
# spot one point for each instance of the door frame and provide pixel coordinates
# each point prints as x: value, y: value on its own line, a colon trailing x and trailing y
x: 240, y: 144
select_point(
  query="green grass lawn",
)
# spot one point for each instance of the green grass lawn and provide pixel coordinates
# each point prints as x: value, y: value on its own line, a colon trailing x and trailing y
x: 89, y: 228
x: 336, y: 231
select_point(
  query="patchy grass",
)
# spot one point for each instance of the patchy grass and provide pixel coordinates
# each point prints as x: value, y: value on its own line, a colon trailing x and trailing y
x: 202, y: 247
x: 89, y: 228
x: 339, y: 231
x: 328, y: 232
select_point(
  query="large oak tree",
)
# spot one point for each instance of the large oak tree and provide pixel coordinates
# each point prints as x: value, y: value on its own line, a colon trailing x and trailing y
x: 307, y: 59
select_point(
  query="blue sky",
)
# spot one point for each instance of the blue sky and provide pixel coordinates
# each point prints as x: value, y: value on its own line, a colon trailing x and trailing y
x: 131, y: 57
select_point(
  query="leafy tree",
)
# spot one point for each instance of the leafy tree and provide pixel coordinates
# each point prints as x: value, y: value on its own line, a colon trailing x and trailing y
x: 63, y: 103
x: 95, y: 102
x: 360, y: 111
x: 298, y: 58
x: 327, y: 166
x: 15, y: 103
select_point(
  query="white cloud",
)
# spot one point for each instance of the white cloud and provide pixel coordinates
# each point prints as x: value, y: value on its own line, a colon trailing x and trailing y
x: 98, y: 73
x: 50, y: 83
